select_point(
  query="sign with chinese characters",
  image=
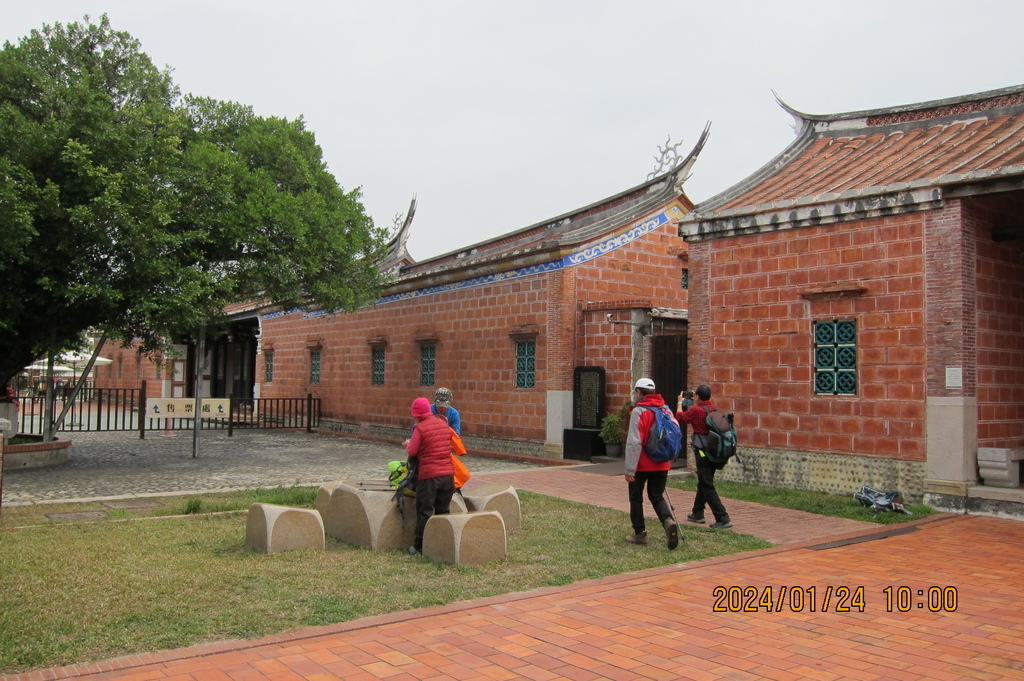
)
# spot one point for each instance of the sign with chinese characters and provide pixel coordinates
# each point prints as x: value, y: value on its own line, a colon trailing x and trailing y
x: 587, y: 397
x: 185, y: 408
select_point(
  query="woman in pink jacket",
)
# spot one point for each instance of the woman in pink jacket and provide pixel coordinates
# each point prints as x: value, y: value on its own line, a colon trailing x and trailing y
x: 431, y: 444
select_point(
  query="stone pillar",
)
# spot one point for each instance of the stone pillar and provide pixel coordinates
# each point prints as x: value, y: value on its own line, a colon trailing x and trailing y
x: 952, y: 442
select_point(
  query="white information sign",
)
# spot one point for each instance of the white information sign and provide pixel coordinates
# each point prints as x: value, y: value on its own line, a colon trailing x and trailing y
x: 184, y: 408
x: 954, y: 377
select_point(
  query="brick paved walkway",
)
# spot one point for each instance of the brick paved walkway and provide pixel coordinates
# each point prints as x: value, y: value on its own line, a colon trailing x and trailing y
x: 662, y: 624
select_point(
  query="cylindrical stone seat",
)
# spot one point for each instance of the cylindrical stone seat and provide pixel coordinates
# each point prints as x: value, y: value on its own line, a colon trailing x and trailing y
x: 473, y: 538
x: 489, y: 496
x: 272, y: 529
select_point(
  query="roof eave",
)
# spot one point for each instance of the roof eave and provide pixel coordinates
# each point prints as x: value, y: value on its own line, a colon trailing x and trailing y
x: 859, y: 204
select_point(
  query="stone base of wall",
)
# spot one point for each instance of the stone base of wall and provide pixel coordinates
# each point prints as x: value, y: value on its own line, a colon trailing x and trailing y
x: 486, y: 444
x: 999, y: 508
x: 832, y: 473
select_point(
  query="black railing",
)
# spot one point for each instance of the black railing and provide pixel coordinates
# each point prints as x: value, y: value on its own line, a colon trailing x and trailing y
x: 118, y: 409
x: 92, y: 410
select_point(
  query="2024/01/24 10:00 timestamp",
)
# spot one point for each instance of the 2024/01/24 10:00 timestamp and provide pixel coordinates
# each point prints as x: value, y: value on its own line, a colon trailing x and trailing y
x: 834, y: 598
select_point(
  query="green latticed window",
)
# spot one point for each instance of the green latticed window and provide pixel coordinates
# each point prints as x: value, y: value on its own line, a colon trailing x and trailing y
x: 428, y: 355
x: 835, y: 358
x: 378, y: 366
x: 526, y: 361
x: 314, y: 367
x: 269, y: 364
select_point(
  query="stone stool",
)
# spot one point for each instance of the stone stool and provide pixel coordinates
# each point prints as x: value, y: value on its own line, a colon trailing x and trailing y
x: 473, y: 538
x: 1000, y: 466
x: 365, y: 514
x: 271, y: 529
x: 490, y: 496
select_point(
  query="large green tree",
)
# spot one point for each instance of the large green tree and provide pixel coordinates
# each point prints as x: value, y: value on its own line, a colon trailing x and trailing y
x: 128, y: 208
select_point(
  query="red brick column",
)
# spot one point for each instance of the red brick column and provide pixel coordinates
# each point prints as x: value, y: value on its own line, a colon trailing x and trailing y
x: 950, y: 294
x: 699, y: 313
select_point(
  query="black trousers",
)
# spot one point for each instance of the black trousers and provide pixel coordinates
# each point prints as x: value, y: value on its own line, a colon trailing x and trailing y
x: 706, y: 492
x: 655, y: 483
x: 433, y: 495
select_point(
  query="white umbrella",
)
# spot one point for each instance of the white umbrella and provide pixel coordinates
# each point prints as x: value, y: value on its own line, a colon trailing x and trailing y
x: 79, y: 357
x: 57, y: 368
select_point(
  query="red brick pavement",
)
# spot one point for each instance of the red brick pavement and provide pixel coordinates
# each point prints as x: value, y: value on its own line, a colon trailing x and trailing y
x: 775, y: 525
x: 662, y: 624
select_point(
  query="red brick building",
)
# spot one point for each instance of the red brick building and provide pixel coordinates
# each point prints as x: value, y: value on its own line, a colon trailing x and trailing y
x: 859, y: 303
x: 504, y: 323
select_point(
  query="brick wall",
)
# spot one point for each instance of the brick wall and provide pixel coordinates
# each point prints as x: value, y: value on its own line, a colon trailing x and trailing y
x: 127, y: 369
x: 646, y: 275
x: 475, y: 350
x: 1000, y: 325
x: 763, y: 292
x: 475, y: 357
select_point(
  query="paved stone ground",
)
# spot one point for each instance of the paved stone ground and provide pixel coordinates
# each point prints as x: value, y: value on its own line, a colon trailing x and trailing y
x: 119, y: 465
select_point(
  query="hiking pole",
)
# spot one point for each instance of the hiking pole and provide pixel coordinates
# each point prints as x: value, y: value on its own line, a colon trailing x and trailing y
x: 671, y: 508
x: 375, y: 486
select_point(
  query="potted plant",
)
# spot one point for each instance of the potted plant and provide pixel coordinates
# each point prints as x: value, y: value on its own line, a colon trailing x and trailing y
x: 613, y: 429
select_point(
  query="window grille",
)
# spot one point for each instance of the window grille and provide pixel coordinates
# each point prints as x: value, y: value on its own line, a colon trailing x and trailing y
x: 428, y: 357
x: 314, y: 367
x: 269, y: 367
x: 526, y: 362
x: 378, y: 366
x: 835, y: 357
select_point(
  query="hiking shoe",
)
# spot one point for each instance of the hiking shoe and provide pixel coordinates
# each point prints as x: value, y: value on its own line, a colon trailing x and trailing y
x: 721, y: 525
x: 413, y: 551
x: 638, y: 538
x: 699, y: 519
x: 671, y: 533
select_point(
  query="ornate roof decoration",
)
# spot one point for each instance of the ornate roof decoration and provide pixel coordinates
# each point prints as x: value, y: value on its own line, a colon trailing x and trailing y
x: 400, y: 227
x: 553, y: 239
x: 873, y: 163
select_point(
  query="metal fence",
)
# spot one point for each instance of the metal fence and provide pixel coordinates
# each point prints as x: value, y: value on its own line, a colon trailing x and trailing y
x: 119, y: 409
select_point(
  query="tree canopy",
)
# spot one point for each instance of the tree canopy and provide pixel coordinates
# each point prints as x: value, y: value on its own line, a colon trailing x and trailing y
x: 127, y: 207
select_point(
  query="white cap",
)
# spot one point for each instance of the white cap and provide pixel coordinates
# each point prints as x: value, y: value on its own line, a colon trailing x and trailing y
x: 644, y: 383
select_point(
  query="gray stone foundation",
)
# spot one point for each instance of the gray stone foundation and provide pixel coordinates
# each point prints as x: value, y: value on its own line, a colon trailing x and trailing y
x: 951, y: 503
x: 832, y: 473
x: 487, y: 444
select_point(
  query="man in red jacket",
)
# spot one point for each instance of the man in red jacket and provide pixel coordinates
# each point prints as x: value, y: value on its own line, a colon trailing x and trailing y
x: 431, y: 444
x: 696, y: 415
x: 641, y: 470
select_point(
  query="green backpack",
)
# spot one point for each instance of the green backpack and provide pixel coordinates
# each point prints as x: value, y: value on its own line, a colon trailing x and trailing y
x: 402, y: 476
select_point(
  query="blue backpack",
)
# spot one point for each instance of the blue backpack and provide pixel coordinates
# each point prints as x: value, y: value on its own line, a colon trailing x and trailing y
x: 665, y: 438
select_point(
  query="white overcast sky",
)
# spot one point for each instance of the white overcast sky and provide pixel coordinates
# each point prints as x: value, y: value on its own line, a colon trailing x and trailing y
x: 499, y: 115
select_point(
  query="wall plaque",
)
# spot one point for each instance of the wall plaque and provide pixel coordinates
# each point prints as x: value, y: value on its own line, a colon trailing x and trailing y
x: 587, y: 397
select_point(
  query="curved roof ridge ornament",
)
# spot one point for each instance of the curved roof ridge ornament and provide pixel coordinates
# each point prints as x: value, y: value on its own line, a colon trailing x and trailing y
x: 800, y: 119
x: 682, y: 170
x: 401, y: 226
x: 667, y: 159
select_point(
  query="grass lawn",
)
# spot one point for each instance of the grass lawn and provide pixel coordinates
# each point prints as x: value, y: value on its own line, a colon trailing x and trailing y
x: 134, y: 582
x: 177, y: 573
x: 813, y: 502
